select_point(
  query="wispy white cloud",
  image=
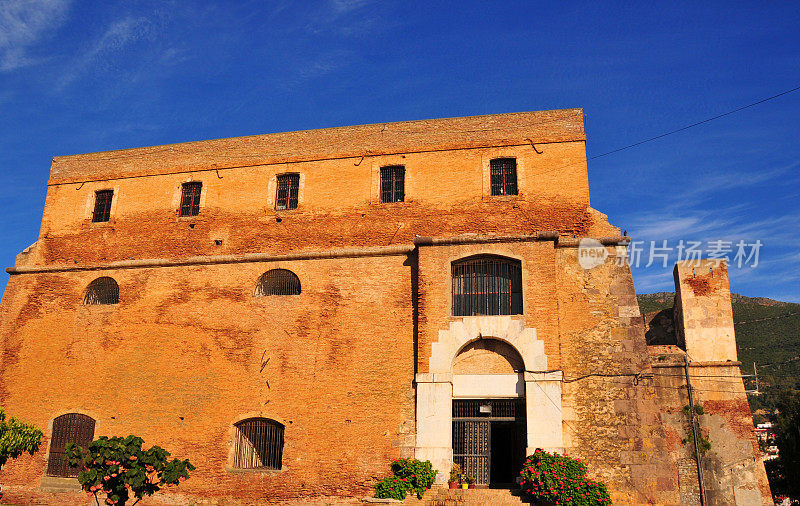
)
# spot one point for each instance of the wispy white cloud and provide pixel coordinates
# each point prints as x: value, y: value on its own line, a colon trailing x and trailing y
x: 709, y: 185
x: 346, y: 18
x: 118, y: 35
x: 345, y: 6
x: 23, y: 23
x: 173, y: 56
x: 657, y: 282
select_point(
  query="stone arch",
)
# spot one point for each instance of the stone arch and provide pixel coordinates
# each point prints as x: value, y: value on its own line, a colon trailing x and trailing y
x: 503, y: 328
x: 488, y: 356
x: 437, y: 388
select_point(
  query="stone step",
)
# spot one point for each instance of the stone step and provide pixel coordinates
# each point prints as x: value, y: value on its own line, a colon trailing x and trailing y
x: 473, y: 497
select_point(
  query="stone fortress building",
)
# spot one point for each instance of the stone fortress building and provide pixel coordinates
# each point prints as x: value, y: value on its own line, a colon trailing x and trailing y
x: 293, y: 311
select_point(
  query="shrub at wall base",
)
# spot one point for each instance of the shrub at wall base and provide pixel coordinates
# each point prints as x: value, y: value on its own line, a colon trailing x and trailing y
x: 408, y: 475
x: 118, y: 467
x: 17, y: 438
x: 551, y: 478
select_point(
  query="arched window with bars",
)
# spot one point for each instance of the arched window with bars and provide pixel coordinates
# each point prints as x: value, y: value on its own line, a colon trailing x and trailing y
x: 70, y: 428
x: 102, y: 291
x: 277, y: 282
x: 487, y: 285
x: 258, y: 444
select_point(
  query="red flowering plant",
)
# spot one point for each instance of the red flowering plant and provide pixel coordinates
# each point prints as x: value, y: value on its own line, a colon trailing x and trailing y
x: 558, y: 479
x: 408, y: 475
x: 119, y: 467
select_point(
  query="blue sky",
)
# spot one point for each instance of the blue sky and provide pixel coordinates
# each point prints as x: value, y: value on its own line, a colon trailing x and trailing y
x: 80, y: 77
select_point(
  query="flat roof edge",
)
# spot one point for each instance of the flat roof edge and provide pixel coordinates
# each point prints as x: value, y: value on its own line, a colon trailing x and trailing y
x: 379, y: 139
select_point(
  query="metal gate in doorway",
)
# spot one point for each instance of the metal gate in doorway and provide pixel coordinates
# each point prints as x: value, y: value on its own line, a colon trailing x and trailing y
x: 489, y: 439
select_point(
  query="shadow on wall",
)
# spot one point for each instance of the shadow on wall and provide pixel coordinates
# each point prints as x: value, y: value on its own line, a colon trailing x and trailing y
x: 661, y: 328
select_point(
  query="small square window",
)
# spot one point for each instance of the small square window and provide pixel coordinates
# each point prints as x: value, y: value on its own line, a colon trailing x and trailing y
x: 102, y: 205
x: 288, y: 189
x: 190, y: 198
x: 258, y: 444
x: 393, y: 183
x: 503, y: 174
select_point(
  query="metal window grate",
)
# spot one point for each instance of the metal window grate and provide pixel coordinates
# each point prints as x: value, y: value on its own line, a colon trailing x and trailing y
x: 102, y: 205
x: 498, y: 408
x: 288, y: 189
x: 471, y: 449
x: 487, y: 285
x: 277, y: 282
x: 190, y: 198
x: 259, y: 443
x: 102, y: 291
x: 69, y: 428
x: 503, y: 176
x: 393, y: 183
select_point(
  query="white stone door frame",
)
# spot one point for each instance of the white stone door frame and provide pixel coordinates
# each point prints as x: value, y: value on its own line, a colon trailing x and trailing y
x: 435, y: 388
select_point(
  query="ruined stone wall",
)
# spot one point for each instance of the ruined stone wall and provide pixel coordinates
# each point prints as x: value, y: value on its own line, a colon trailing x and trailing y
x: 611, y: 417
x: 179, y: 360
x: 733, y: 472
x: 703, y: 311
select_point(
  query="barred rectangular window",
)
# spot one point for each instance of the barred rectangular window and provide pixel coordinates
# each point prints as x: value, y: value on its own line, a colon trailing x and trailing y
x: 487, y: 285
x: 503, y: 174
x: 393, y: 183
x: 190, y: 198
x: 288, y: 189
x: 102, y: 205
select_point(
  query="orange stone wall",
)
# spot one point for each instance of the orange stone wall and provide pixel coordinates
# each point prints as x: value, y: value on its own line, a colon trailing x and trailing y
x: 179, y: 360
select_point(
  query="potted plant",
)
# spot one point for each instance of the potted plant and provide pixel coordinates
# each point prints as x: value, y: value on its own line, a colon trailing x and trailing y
x: 470, y: 481
x: 455, y: 476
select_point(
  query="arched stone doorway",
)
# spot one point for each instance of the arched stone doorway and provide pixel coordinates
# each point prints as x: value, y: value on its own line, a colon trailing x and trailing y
x: 489, y: 412
x: 453, y: 356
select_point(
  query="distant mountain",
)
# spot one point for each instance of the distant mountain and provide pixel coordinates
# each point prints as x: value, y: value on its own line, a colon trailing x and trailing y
x: 767, y: 333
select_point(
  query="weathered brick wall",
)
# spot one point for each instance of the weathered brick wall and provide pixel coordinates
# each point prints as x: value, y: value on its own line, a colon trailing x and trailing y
x: 447, y: 193
x: 539, y: 285
x: 178, y: 362
x: 540, y: 127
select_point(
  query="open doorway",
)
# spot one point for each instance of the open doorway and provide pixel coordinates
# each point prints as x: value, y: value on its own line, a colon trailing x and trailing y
x: 489, y: 439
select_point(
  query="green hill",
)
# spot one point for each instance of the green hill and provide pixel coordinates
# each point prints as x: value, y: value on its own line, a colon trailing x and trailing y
x: 767, y: 333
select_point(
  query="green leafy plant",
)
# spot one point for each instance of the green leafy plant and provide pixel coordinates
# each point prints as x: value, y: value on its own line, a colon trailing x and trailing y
x: 697, y: 409
x: 408, y: 475
x: 455, y: 474
x: 703, y: 443
x: 559, y: 479
x: 392, y: 488
x: 17, y: 438
x: 119, y: 466
x: 784, y: 472
x: 469, y: 480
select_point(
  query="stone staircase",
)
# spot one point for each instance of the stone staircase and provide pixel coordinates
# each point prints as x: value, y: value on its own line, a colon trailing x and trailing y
x: 473, y: 497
